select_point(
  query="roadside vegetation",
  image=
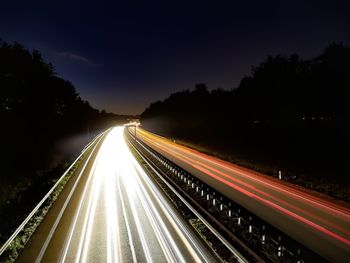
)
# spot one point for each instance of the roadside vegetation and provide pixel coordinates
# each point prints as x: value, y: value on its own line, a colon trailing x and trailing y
x: 12, y: 252
x: 44, y: 124
x: 290, y: 115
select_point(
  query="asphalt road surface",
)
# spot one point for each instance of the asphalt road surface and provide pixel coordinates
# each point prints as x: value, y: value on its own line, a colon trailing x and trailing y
x: 316, y: 221
x: 113, y: 212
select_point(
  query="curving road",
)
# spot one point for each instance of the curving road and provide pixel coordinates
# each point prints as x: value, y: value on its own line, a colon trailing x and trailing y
x: 314, y: 220
x: 113, y: 212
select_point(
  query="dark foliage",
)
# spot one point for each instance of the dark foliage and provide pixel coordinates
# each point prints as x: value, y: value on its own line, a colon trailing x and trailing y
x: 289, y: 113
x: 43, y: 119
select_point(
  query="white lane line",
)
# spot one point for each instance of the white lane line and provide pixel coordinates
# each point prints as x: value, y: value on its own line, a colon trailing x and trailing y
x: 239, y: 257
x: 169, y: 246
x: 31, y: 214
x: 200, y: 252
x: 155, y: 222
x: 113, y: 234
x: 84, y: 243
x: 131, y: 243
x: 58, y: 218
x: 144, y: 244
x: 77, y: 213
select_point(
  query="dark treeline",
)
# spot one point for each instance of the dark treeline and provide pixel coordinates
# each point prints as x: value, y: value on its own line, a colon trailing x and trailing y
x: 290, y: 114
x: 44, y: 122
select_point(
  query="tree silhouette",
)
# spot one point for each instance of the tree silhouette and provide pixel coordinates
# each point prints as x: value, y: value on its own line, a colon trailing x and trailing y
x: 38, y: 109
x: 289, y: 112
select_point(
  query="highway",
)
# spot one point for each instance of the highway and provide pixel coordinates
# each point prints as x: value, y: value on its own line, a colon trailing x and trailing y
x: 113, y: 212
x: 314, y: 220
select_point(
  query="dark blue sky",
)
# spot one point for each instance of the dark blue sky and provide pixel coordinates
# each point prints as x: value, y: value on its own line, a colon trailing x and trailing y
x: 122, y: 55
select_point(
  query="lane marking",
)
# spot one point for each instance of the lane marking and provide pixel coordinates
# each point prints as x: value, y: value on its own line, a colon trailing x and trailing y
x: 133, y: 253
x: 53, y: 229
x: 77, y: 213
x: 181, y: 228
x: 239, y: 257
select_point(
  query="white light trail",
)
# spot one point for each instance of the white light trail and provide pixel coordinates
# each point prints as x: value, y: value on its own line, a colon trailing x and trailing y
x: 123, y: 216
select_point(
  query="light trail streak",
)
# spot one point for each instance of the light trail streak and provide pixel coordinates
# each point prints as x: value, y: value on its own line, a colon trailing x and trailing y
x: 120, y: 215
x: 72, y: 227
x: 318, y: 214
x: 255, y: 176
x: 48, y: 239
x: 206, y: 168
x: 209, y: 170
x: 134, y: 258
x: 174, y: 218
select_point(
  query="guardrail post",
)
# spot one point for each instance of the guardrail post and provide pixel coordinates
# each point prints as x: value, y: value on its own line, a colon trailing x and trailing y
x: 279, y: 253
x: 263, y: 237
x: 298, y: 255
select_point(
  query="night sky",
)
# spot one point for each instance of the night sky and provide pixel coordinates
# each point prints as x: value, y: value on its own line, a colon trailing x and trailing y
x: 122, y: 55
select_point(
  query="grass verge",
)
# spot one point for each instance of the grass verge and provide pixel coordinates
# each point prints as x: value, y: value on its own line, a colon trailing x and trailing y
x: 16, y: 246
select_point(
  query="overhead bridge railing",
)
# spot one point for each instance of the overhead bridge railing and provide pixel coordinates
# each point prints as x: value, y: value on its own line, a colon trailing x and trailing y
x: 264, y: 239
x: 8, y: 250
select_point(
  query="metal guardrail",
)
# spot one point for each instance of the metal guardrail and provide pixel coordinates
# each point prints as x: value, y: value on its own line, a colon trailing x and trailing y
x: 240, y: 258
x: 32, y: 213
x: 282, y: 246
